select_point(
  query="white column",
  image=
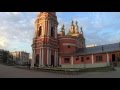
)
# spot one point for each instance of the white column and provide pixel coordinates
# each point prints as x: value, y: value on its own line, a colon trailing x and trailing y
x: 72, y: 60
x: 47, y: 56
x: 48, y: 28
x: 59, y: 60
x: 108, y: 59
x: 42, y: 55
x: 55, y: 32
x: 42, y: 31
x: 92, y: 59
x: 33, y: 59
x: 44, y: 27
x: 50, y: 57
x: 55, y: 58
x: 40, y: 58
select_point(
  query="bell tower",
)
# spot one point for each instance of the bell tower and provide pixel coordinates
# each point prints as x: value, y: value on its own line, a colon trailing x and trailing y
x: 45, y: 43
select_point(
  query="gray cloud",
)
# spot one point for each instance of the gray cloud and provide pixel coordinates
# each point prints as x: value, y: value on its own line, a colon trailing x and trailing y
x: 16, y: 28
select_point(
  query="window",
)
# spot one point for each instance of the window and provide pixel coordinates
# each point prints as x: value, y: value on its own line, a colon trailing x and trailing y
x: 82, y: 59
x: 66, y: 60
x: 52, y: 32
x: 87, y: 58
x: 39, y: 31
x: 98, y: 58
x: 68, y: 46
x: 77, y: 59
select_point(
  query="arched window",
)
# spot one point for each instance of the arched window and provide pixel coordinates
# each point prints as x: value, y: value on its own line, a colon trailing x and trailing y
x: 52, y: 32
x: 39, y: 31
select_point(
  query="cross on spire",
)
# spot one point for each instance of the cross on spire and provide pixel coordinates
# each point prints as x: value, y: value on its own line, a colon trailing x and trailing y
x: 81, y: 30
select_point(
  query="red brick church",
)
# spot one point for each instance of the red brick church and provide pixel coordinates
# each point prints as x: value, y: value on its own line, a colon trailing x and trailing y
x: 54, y: 49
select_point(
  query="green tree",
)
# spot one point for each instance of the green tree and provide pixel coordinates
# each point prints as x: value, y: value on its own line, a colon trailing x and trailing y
x: 5, y: 56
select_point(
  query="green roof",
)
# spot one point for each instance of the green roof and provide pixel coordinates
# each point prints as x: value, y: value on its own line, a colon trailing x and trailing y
x: 70, y: 33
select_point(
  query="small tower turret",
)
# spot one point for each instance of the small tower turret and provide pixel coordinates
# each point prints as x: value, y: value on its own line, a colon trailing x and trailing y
x: 81, y: 30
x: 62, y: 30
x: 76, y: 28
x: 72, y: 27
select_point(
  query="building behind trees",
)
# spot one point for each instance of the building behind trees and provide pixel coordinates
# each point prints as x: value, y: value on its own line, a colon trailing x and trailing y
x: 20, y: 57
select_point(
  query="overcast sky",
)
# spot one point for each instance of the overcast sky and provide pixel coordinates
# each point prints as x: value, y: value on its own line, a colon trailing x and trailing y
x: 17, y: 28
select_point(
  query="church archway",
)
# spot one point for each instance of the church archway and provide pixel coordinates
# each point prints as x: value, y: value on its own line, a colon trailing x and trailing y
x: 113, y: 57
x: 52, y: 60
x: 39, y: 31
x: 52, y: 32
x: 37, y: 60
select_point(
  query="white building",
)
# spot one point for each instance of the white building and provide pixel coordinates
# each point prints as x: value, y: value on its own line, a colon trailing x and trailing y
x: 20, y: 57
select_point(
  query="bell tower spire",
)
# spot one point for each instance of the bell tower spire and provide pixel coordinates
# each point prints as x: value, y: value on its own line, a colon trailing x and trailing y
x: 44, y: 23
x: 45, y: 43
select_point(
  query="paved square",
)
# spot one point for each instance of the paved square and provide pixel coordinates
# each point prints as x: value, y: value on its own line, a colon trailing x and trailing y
x: 12, y: 72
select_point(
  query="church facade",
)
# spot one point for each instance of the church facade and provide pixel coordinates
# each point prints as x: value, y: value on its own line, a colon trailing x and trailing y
x: 54, y: 49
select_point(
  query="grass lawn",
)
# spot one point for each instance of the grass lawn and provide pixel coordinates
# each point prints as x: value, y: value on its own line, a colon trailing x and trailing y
x: 77, y: 70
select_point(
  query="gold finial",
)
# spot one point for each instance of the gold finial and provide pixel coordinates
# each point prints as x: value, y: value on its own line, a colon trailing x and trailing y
x: 72, y: 23
x: 76, y: 22
x: 81, y: 30
x: 63, y: 28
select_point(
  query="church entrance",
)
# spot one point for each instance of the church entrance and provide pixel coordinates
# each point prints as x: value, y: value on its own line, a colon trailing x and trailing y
x: 114, y: 61
x: 52, y: 60
x: 113, y: 57
x: 37, y: 60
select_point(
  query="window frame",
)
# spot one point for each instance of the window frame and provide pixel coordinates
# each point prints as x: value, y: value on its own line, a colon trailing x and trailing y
x: 69, y: 46
x: 52, y: 31
x: 82, y: 59
x: 87, y: 58
x: 77, y: 58
x: 66, y: 60
x: 99, y: 58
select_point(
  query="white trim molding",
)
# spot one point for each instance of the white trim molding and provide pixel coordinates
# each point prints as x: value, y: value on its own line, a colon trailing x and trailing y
x: 66, y: 44
x: 67, y: 38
